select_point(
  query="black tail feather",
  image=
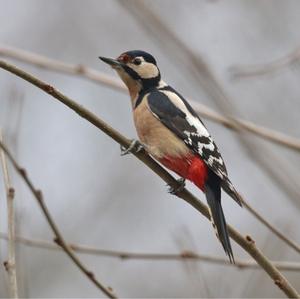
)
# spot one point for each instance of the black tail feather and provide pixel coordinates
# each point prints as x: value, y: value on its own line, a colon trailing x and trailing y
x: 230, y: 190
x: 213, y: 197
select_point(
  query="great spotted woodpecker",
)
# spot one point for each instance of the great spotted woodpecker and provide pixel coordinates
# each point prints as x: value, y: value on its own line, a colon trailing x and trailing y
x: 172, y: 132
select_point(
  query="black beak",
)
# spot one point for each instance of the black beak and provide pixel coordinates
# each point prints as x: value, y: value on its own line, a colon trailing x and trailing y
x: 111, y: 62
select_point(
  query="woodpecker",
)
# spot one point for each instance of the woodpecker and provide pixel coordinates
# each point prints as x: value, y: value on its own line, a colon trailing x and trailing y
x: 172, y: 132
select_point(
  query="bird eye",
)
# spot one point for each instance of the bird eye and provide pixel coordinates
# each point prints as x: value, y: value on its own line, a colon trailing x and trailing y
x: 137, y: 61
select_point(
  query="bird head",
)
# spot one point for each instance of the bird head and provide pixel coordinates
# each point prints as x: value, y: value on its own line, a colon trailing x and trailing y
x: 137, y: 69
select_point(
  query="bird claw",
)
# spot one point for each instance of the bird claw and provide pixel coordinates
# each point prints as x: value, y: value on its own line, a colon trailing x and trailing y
x: 134, y: 147
x: 177, y: 190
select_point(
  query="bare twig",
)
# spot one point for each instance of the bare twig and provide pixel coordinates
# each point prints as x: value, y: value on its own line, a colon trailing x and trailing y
x: 59, y: 66
x: 247, y: 243
x: 247, y: 126
x: 58, y: 236
x: 10, y: 264
x: 101, y: 78
x: 248, y: 71
x: 127, y: 255
x: 271, y: 227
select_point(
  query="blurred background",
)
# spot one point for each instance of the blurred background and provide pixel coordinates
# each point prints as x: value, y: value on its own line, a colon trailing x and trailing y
x: 103, y: 200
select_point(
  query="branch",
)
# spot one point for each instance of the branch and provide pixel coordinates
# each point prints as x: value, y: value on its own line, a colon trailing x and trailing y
x: 10, y: 264
x: 247, y: 71
x: 126, y: 255
x: 247, y: 243
x: 60, y: 66
x: 58, y: 236
x: 101, y: 78
x: 271, y: 227
x: 237, y: 124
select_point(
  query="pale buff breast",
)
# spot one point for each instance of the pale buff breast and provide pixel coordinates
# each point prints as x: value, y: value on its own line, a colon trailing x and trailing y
x: 159, y: 140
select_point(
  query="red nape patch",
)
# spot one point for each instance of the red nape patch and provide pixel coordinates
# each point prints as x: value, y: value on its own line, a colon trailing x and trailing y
x: 191, y: 167
x: 124, y: 58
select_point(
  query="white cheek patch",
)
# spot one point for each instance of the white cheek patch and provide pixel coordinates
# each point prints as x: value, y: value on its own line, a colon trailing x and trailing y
x: 146, y: 70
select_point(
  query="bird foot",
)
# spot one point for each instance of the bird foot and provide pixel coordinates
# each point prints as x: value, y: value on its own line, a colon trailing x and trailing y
x: 134, y: 147
x: 177, y: 190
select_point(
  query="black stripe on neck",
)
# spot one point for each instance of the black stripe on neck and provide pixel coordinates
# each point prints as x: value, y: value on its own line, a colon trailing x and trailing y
x: 133, y: 74
x: 139, y: 100
x: 150, y: 82
x: 167, y: 87
x: 144, y: 91
x: 147, y: 86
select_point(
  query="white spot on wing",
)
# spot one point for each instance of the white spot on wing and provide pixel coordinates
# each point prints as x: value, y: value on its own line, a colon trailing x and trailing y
x: 198, y: 137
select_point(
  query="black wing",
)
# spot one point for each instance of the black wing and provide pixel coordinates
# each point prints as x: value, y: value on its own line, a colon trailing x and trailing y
x: 178, y: 116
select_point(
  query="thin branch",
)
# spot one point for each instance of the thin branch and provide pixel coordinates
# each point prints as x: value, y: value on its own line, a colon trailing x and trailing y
x: 101, y: 78
x: 10, y: 264
x: 60, y: 66
x: 256, y: 70
x: 247, y: 126
x: 288, y: 183
x: 247, y: 243
x: 271, y: 227
x: 58, y: 236
x: 127, y: 255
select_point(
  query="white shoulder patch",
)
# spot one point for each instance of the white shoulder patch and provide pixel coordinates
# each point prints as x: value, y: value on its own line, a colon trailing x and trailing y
x: 190, y: 129
x: 192, y: 120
